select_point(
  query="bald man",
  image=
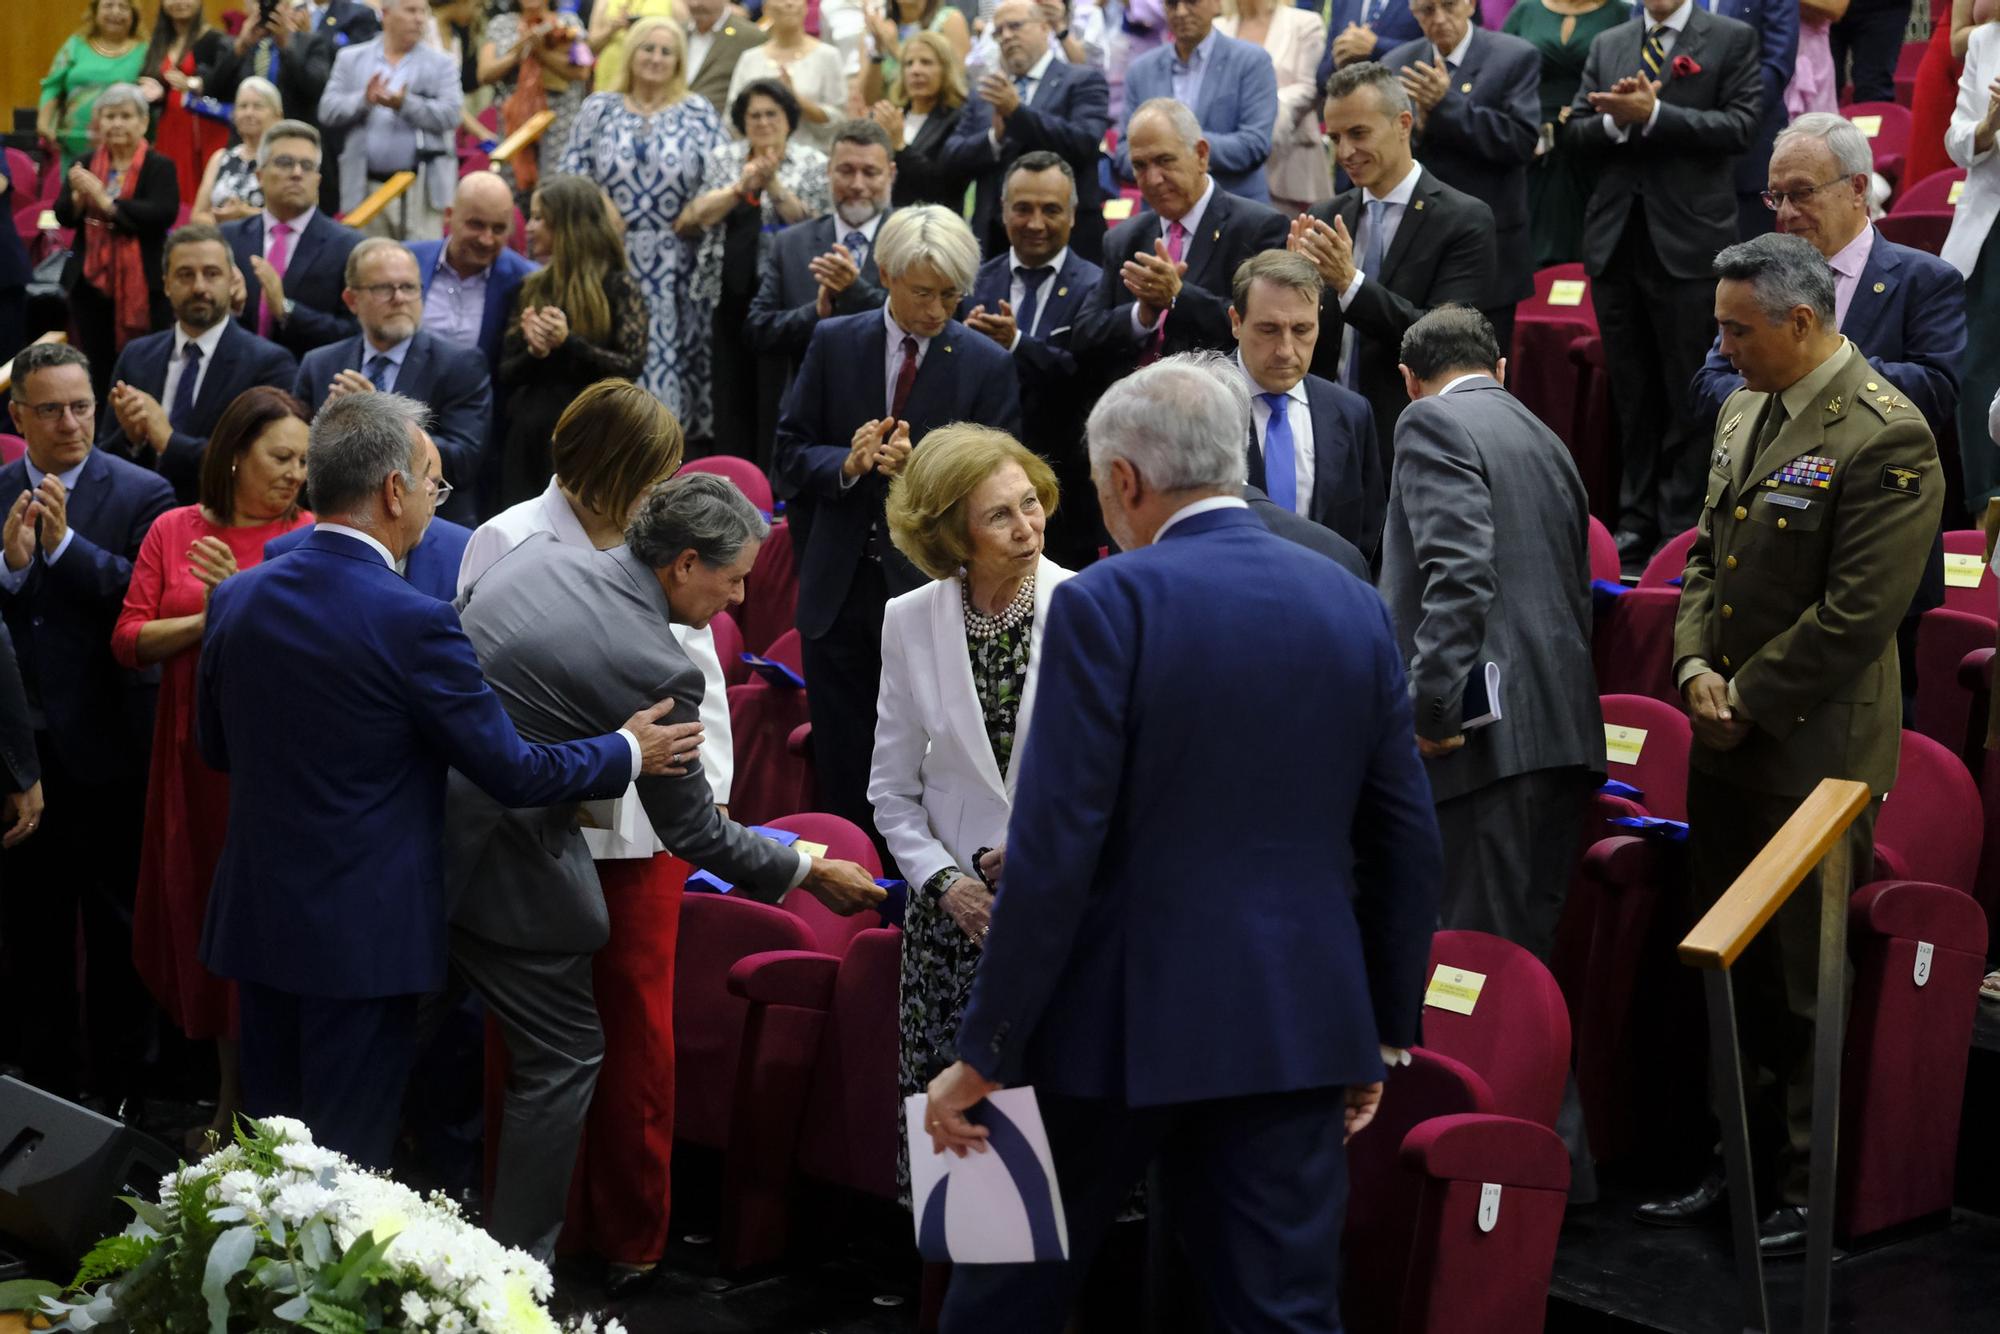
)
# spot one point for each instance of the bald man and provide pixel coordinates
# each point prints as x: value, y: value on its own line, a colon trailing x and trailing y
x: 470, y: 275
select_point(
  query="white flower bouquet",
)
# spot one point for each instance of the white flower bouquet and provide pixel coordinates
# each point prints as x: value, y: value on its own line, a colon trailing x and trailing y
x: 274, y: 1231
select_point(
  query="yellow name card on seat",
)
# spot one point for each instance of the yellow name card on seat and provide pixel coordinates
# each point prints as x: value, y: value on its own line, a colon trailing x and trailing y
x: 1868, y: 125
x: 810, y: 848
x: 1957, y: 189
x: 1454, y: 989
x: 1962, y: 569
x: 1117, y: 210
x: 1566, y: 292
x: 1622, y: 745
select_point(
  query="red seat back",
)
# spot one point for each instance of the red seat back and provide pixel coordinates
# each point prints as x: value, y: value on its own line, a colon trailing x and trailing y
x: 1669, y: 562
x: 1632, y: 645
x: 1944, y: 704
x: 1930, y: 826
x: 729, y: 649
x: 11, y: 447
x: 845, y: 841
x: 852, y: 1111
x: 770, y: 780
x: 1891, y: 139
x: 1517, y: 1036
x: 1603, y: 552
x: 787, y: 648
x: 1920, y: 229
x: 1660, y: 771
x: 749, y: 478
x: 771, y: 593
x: 1930, y: 195
x: 1982, y: 598
x: 716, y: 931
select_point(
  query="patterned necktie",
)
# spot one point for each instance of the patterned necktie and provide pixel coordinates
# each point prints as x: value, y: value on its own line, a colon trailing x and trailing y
x: 1653, y: 52
x: 277, y: 256
x: 1176, y: 251
x: 857, y: 246
x: 1032, y: 281
x: 1281, y: 480
x: 1371, y: 266
x: 183, y: 404
x: 906, y: 375
x: 381, y: 373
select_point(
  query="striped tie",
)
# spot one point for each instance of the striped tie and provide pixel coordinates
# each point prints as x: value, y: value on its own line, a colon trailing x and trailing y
x: 1653, y: 54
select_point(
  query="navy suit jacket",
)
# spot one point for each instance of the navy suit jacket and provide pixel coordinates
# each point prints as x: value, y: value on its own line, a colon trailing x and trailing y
x: 1393, y: 26
x: 1908, y: 318
x: 1158, y: 940
x: 1067, y: 116
x: 964, y: 376
x: 1238, y: 108
x: 501, y: 281
x: 1777, y: 25
x: 432, y: 564
x: 453, y: 380
x: 1481, y: 141
x: 1350, y: 491
x: 315, y: 276
x: 99, y: 715
x: 242, y: 361
x: 782, y: 315
x: 335, y: 818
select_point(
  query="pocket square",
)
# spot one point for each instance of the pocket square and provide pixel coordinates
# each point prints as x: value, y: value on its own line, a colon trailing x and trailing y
x: 1684, y: 67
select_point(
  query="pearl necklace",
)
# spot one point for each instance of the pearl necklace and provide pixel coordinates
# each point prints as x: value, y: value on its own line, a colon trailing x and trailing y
x: 980, y: 626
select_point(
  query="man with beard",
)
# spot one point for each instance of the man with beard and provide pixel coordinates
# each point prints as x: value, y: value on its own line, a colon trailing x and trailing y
x: 168, y: 388
x: 393, y: 353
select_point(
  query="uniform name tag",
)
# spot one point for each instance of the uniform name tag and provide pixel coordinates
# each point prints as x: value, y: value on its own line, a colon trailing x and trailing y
x: 1454, y: 989
x: 1622, y: 745
x: 1789, y: 502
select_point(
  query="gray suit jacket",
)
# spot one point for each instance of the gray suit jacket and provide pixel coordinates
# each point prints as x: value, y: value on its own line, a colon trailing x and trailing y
x: 567, y: 637
x: 1485, y: 559
x: 432, y: 101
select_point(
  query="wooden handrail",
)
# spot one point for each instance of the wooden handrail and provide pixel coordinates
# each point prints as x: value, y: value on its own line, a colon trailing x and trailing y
x: 385, y: 194
x: 1815, y: 827
x: 537, y: 125
x: 7, y: 368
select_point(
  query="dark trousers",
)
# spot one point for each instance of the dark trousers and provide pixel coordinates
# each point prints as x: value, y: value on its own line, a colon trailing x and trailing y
x: 1509, y: 848
x: 843, y: 677
x: 1871, y: 35
x: 82, y: 864
x: 339, y: 1064
x: 1502, y: 320
x: 1777, y: 979
x: 1257, y: 1189
x: 1656, y: 330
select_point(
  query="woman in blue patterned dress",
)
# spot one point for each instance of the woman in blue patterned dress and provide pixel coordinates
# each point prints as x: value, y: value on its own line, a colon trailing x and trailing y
x: 646, y: 143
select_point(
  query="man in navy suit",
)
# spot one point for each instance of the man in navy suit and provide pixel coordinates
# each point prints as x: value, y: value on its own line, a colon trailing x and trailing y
x: 1311, y: 443
x: 1777, y: 25
x: 14, y: 267
x: 871, y: 387
x: 432, y: 564
x: 75, y: 517
x: 472, y: 275
x: 1027, y: 300
x: 1212, y: 971
x: 1364, y: 30
x: 394, y: 354
x: 1228, y: 84
x: 328, y: 902
x: 168, y: 389
x: 1165, y: 283
x: 293, y: 257
x: 1477, y: 102
x: 1038, y: 103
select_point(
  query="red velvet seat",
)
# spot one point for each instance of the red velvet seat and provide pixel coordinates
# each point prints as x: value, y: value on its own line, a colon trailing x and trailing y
x: 1982, y: 598
x: 1661, y: 769
x: 1920, y: 229
x: 1907, y: 62
x: 771, y: 593
x: 729, y: 648
x: 816, y: 1089
x: 1539, y: 372
x: 770, y: 779
x: 11, y: 447
x: 1944, y: 638
x: 1593, y: 439
x: 749, y: 478
x: 1669, y: 562
x: 1632, y: 645
x: 1930, y: 826
x: 1930, y: 195
x: 1603, y: 552
x: 1975, y: 676
x: 845, y: 841
x: 1908, y: 1037
x: 1891, y: 141
x: 1517, y: 1036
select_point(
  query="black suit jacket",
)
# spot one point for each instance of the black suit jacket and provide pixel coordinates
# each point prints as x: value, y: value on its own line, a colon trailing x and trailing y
x: 99, y: 716
x: 1684, y: 167
x: 964, y: 376
x: 242, y: 361
x: 1232, y: 230
x: 1350, y: 489
x: 451, y: 378
x: 1067, y: 116
x: 1306, y: 533
x: 782, y: 316
x: 315, y: 276
x: 20, y: 767
x: 1481, y: 137
x: 924, y: 174
x: 1443, y: 252
x: 300, y: 71
x: 148, y: 213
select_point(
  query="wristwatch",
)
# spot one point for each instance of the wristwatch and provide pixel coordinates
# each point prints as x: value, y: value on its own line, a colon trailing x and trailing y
x: 287, y: 312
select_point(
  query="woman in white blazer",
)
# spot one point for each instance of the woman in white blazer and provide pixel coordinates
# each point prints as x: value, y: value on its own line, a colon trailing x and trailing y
x: 1973, y: 248
x: 1298, y: 171
x: 959, y: 660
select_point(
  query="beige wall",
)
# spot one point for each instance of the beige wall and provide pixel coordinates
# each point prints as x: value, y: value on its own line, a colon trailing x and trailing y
x: 34, y: 31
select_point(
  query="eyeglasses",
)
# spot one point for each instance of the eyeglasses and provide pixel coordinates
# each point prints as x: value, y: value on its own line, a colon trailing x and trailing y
x: 1179, y: 4
x: 383, y: 291
x: 1776, y: 199
x: 440, y: 489
x: 287, y: 164
x: 51, y: 413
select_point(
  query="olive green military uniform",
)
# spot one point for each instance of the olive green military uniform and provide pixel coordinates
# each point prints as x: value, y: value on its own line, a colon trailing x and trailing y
x: 1821, y: 505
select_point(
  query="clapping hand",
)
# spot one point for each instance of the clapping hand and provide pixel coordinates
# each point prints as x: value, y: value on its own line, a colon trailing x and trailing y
x: 664, y: 749
x: 273, y: 285
x: 865, y: 449
x: 1629, y: 102
x: 1000, y: 93
x: 757, y: 171
x: 141, y: 417
x: 1153, y: 280
x: 1330, y: 249
x: 890, y: 117
x: 1983, y: 133
x: 211, y: 561
x: 86, y: 190
x: 1426, y: 84
x: 349, y: 382
x: 48, y: 505
x: 17, y: 540
x: 380, y: 94
x: 545, y: 328
x: 836, y: 270
x: 152, y: 89
x: 999, y: 327
x: 895, y: 451
x: 1355, y: 42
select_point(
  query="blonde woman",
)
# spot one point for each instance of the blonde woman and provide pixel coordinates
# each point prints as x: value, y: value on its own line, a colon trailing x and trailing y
x: 919, y: 113
x: 229, y: 187
x: 1294, y: 38
x: 646, y: 143
x: 811, y: 69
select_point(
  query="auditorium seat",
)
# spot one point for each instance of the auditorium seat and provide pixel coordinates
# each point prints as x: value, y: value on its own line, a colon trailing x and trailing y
x: 771, y: 593
x: 1603, y: 552
x: 11, y: 447
x: 817, y: 1090
x: 1981, y: 598
x: 1918, y: 952
x: 1944, y: 637
x: 770, y: 780
x: 1632, y: 645
x: 1929, y: 827
x: 1517, y: 1036
x: 1538, y: 369
x: 1891, y: 138
x: 844, y: 841
x: 1664, y: 570
x: 1930, y: 195
x: 729, y: 649
x: 1907, y: 61
x: 1662, y: 734
x: 1923, y: 230
x: 749, y: 478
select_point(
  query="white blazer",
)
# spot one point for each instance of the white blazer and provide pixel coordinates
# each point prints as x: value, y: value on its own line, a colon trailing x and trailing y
x: 1298, y: 169
x: 937, y: 793
x: 1981, y: 201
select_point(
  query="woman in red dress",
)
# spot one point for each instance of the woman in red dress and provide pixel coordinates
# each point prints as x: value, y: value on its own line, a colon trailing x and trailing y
x: 1936, y: 89
x: 182, y: 59
x: 250, y: 481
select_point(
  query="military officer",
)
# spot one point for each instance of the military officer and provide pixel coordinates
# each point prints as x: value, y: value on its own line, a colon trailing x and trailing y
x: 1824, y: 492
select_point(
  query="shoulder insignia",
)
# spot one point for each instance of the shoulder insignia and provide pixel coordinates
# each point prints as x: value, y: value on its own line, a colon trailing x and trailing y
x: 1890, y: 401
x: 1833, y: 404
x: 1871, y: 386
x: 1730, y: 426
x: 1903, y: 481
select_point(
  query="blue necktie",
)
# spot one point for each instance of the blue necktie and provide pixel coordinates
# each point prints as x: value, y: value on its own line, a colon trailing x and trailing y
x: 857, y: 246
x: 1371, y: 266
x: 1281, y: 481
x: 183, y: 404
x: 1032, y: 282
x: 381, y: 373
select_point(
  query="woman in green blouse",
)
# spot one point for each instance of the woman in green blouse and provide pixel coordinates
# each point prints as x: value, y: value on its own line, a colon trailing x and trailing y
x: 108, y: 50
x: 1558, y: 185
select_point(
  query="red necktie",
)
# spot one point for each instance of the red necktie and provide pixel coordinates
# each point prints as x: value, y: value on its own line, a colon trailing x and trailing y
x: 906, y: 375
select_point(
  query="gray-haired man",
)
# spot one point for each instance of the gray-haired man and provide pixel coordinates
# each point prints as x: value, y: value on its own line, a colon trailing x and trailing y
x: 529, y: 911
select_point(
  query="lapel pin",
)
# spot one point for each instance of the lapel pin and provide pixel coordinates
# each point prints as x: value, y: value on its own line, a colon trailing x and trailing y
x: 1833, y: 404
x: 1465, y: 87
x: 1881, y: 287
x: 1216, y: 235
x: 1062, y: 291
x: 947, y: 347
x: 1418, y: 206
x: 1731, y: 425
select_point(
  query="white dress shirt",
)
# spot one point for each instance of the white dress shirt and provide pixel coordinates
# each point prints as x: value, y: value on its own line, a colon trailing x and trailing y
x: 700, y: 43
x: 1398, y: 200
x: 1675, y: 24
x: 1201, y: 507
x: 1299, y: 414
x: 1455, y: 383
x: 1191, y: 224
x: 1017, y: 289
x: 12, y: 580
x: 208, y: 340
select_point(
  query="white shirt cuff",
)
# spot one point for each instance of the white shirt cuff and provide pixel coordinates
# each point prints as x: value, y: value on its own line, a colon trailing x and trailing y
x: 1017, y: 331
x: 1140, y: 327
x: 13, y: 580
x: 1618, y: 133
x: 805, y: 869
x: 61, y: 547
x: 994, y: 140
x: 1395, y: 1056
x: 638, y: 756
x: 1348, y: 292
x: 1652, y: 116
